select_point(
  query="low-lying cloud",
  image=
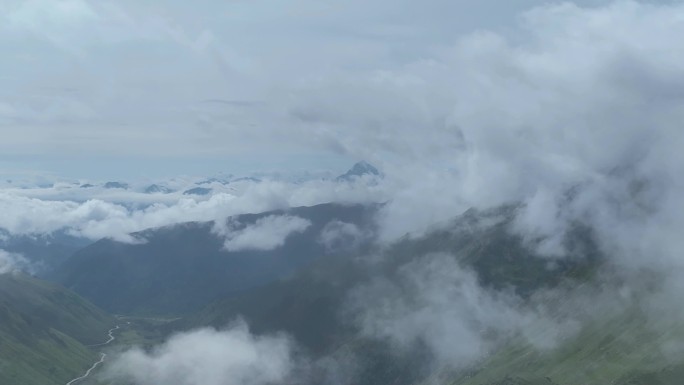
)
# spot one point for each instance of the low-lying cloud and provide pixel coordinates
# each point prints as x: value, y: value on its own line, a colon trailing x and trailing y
x: 573, y: 97
x: 341, y: 236
x: 12, y: 262
x: 266, y: 233
x: 97, y: 218
x: 437, y: 303
x: 232, y: 356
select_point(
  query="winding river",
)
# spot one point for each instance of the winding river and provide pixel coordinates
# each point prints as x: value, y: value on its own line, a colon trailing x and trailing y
x: 111, y: 336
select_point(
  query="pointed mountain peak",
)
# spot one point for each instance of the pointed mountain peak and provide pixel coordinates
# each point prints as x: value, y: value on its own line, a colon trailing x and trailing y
x: 360, y: 169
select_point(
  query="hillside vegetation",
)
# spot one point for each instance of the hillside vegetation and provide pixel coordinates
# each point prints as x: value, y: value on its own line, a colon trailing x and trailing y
x: 181, y: 268
x: 44, y: 332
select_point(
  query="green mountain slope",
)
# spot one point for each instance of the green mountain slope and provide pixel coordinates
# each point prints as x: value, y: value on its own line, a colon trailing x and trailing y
x: 184, y: 267
x: 625, y: 349
x: 500, y: 259
x: 620, y: 347
x: 44, y: 330
x: 45, y: 251
x: 310, y: 306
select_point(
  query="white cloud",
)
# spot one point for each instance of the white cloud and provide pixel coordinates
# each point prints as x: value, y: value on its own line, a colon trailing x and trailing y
x: 436, y: 302
x: 107, y: 78
x: 341, y: 236
x: 99, y: 217
x: 564, y: 101
x: 577, y: 114
x: 209, y: 357
x: 266, y: 233
x: 11, y: 262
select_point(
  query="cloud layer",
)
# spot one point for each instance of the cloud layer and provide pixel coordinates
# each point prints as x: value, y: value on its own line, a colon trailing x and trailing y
x: 563, y: 97
x: 97, y: 218
x: 209, y: 357
x: 575, y: 114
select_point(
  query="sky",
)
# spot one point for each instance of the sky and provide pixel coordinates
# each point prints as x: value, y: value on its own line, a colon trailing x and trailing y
x: 460, y: 104
x: 472, y: 104
x: 126, y: 89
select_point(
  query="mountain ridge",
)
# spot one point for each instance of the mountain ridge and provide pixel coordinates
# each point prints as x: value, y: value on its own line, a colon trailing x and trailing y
x: 185, y: 266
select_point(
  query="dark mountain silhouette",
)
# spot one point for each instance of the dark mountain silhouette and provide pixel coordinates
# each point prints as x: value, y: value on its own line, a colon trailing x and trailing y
x: 197, y: 191
x: 358, y: 170
x: 184, y: 267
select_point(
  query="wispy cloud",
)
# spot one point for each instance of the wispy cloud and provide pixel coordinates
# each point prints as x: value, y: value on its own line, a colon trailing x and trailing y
x: 12, y: 262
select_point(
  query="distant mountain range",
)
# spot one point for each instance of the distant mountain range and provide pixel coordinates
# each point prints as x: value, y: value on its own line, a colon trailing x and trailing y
x: 198, y: 191
x: 361, y: 168
x: 120, y: 185
x: 157, y: 189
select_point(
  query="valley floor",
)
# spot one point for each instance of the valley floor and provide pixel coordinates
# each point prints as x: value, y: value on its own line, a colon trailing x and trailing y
x: 131, y: 332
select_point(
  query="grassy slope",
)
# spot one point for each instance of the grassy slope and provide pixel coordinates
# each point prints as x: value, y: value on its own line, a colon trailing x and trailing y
x: 43, y: 332
x: 308, y: 305
x: 617, y: 350
x: 620, y: 350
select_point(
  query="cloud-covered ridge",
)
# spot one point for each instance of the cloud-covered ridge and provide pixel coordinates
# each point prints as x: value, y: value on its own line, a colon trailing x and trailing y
x: 266, y: 233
